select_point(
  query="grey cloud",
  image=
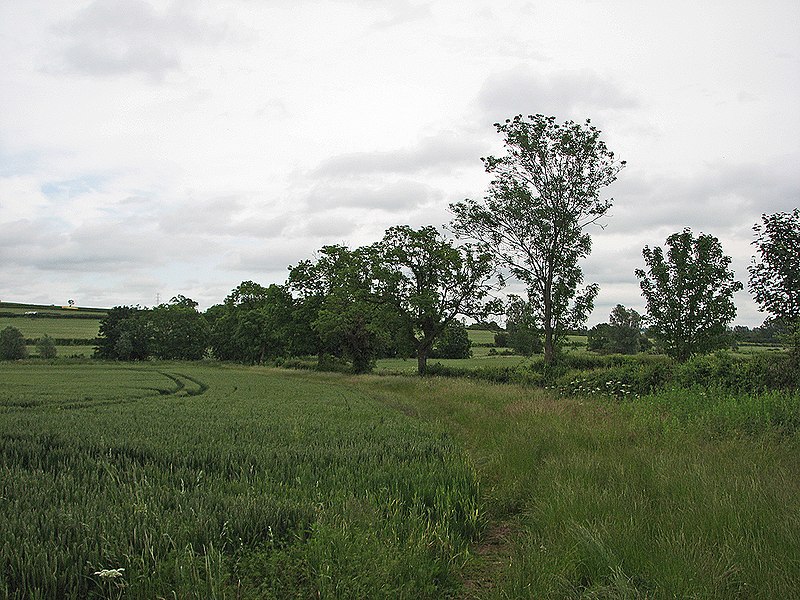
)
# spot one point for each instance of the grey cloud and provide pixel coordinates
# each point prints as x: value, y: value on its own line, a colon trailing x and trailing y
x: 568, y: 94
x: 724, y: 196
x: 114, y: 37
x: 441, y: 152
x: 397, y: 196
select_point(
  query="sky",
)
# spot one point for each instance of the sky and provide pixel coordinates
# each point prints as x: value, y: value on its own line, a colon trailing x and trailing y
x: 155, y: 148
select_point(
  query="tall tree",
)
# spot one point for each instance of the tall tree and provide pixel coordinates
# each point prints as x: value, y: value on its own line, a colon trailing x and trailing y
x: 689, y: 294
x: 431, y: 282
x: 775, y: 272
x: 544, y: 193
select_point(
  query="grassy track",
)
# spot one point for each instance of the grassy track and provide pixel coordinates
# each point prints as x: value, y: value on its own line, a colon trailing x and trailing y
x: 215, y: 482
x: 682, y: 495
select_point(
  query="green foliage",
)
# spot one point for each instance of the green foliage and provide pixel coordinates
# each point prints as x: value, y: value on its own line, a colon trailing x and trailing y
x: 501, y: 339
x: 544, y: 192
x: 123, y: 335
x: 46, y: 347
x: 689, y: 294
x: 454, y: 342
x: 345, y: 314
x: 12, y: 344
x: 431, y: 282
x: 622, y: 335
x: 256, y: 324
x: 775, y: 272
x: 178, y: 331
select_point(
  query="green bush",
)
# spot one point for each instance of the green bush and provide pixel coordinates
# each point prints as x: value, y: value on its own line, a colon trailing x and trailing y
x: 46, y: 346
x: 12, y: 344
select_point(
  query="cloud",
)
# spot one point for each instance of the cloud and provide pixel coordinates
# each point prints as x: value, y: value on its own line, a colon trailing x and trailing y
x: 120, y: 37
x: 398, y: 196
x: 568, y: 94
x: 403, y: 11
x: 722, y: 196
x: 440, y: 153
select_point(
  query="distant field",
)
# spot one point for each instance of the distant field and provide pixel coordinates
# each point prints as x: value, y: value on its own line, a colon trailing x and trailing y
x: 481, y: 336
x: 18, y: 308
x: 70, y: 323
x: 36, y: 327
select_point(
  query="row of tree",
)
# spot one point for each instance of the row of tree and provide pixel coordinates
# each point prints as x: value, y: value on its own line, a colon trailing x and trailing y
x: 400, y: 296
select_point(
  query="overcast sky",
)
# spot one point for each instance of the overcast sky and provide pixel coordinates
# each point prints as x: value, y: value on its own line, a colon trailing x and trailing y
x: 153, y: 148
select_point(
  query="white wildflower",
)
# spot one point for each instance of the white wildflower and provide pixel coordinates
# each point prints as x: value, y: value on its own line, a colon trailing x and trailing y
x: 109, y: 573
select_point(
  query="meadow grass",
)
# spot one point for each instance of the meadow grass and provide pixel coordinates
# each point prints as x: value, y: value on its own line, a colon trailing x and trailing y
x: 683, y: 494
x: 203, y: 481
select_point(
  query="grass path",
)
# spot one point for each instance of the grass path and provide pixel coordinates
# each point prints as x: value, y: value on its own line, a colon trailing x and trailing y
x: 595, y: 499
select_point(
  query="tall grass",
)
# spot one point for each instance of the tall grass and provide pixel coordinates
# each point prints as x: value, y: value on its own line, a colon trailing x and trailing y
x: 683, y: 494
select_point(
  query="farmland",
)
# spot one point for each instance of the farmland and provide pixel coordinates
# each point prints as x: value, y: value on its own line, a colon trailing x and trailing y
x: 221, y: 481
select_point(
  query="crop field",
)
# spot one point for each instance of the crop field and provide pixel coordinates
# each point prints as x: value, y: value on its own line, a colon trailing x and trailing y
x: 36, y: 327
x: 199, y: 480
x: 214, y: 482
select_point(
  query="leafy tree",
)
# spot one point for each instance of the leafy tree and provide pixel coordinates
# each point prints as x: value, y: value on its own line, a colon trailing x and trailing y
x: 46, y: 347
x: 775, y: 272
x: 689, y: 294
x: 124, y: 334
x: 336, y: 291
x: 178, y: 331
x: 255, y: 324
x: 431, y: 282
x: 544, y: 193
x: 454, y: 342
x: 12, y: 344
x: 622, y: 335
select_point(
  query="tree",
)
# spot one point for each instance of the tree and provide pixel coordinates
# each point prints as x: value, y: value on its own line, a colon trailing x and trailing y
x: 12, y: 344
x: 178, y: 331
x: 775, y: 272
x: 46, y: 347
x: 124, y: 334
x: 454, y: 342
x: 254, y: 324
x: 431, y: 282
x: 544, y: 194
x: 689, y: 294
x: 621, y: 335
x: 336, y: 291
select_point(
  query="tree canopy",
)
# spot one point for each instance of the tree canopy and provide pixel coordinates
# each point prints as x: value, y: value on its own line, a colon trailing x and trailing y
x: 544, y: 193
x: 431, y: 282
x: 689, y: 294
x: 775, y: 271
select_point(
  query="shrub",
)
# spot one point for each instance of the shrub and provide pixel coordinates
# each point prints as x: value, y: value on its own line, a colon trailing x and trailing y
x: 12, y: 344
x: 46, y: 346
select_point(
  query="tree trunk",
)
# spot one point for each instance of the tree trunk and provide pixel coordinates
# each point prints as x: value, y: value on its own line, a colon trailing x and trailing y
x: 422, y: 362
x: 549, y: 346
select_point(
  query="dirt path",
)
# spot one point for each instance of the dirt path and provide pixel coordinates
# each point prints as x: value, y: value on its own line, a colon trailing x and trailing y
x: 493, y: 554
